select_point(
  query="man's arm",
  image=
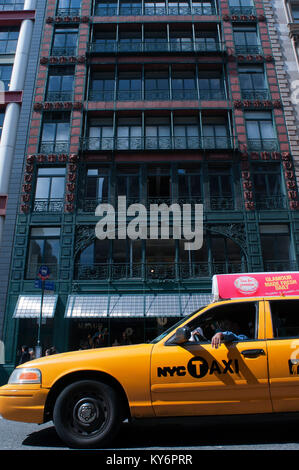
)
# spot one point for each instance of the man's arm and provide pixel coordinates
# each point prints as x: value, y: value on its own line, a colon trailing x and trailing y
x: 226, y: 337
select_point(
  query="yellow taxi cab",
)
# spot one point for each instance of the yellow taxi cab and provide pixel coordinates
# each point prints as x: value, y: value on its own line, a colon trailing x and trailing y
x: 253, y: 367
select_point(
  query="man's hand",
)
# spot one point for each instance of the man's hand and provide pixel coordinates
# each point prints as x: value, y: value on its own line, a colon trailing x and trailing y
x: 216, y: 340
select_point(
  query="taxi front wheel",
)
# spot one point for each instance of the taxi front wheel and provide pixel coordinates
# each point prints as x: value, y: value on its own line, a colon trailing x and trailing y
x: 87, y: 414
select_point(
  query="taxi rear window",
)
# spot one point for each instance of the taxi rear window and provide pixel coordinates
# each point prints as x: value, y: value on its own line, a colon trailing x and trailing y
x: 285, y: 318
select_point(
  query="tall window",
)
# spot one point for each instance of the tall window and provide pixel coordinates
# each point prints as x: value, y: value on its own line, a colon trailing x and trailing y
x: 129, y: 133
x: 49, y: 192
x: 43, y: 250
x: 129, y: 86
x: 55, y: 133
x: 268, y: 186
x: 5, y: 76
x: 158, y: 183
x: 156, y: 85
x: 100, y: 134
x: 69, y: 7
x: 157, y: 133
x: 160, y: 258
x: 92, y: 262
x: 60, y: 84
x: 186, y: 132
x: 211, y: 85
x: 127, y: 184
x: 104, y: 41
x: 126, y: 257
x: 96, y: 188
x: 221, y: 187
x: 276, y: 247
x: 215, y: 133
x: 102, y: 86
x: 181, y: 40
x: 260, y: 131
x: 189, y: 184
x: 130, y: 41
x: 226, y: 255
x: 246, y: 40
x: 155, y: 41
x: 184, y: 85
x: 65, y: 42
x: 8, y: 40
x: 253, y: 82
x: 218, y: 255
x: 206, y: 41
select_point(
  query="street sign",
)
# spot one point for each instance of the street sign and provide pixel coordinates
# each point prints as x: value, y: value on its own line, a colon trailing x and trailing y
x: 38, y: 283
x: 44, y: 273
x: 48, y: 285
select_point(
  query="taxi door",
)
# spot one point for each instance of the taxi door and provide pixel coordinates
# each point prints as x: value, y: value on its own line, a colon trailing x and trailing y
x: 283, y: 352
x: 196, y: 379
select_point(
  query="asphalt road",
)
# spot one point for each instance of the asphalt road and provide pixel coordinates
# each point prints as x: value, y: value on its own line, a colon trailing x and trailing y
x: 248, y: 433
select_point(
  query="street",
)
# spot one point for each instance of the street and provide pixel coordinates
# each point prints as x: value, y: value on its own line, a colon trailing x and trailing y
x: 221, y: 433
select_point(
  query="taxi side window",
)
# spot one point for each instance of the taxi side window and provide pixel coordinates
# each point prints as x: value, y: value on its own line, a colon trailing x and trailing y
x: 285, y: 318
x: 240, y: 318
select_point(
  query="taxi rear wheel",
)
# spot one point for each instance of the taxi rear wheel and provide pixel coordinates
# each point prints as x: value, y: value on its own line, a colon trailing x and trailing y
x: 87, y: 414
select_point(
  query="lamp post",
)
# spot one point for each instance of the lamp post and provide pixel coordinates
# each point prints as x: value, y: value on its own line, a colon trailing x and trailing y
x: 43, y: 274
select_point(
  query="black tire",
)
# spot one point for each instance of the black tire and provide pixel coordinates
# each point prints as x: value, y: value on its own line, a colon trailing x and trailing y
x: 87, y: 414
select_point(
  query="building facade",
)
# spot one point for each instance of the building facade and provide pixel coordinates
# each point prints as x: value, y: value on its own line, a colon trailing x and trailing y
x: 18, y: 27
x: 163, y: 103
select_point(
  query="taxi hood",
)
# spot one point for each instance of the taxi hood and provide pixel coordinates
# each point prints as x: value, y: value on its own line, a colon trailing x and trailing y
x: 89, y: 355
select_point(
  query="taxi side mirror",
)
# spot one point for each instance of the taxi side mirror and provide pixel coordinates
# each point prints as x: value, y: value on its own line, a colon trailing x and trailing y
x: 182, y: 335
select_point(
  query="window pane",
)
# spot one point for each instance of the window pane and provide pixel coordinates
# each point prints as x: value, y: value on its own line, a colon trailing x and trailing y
x: 48, y: 134
x: 57, y: 188
x: 63, y: 131
x: 42, y: 188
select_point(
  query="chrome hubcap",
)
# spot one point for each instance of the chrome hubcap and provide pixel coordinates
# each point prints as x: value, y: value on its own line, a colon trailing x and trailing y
x: 86, y: 411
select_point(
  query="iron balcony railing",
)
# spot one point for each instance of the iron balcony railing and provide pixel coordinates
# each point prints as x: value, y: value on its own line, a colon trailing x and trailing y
x: 64, y: 51
x: 155, y: 143
x: 280, y: 265
x: 155, y: 10
x: 68, y: 12
x: 155, y: 271
x: 157, y: 95
x: 260, y: 94
x: 48, y: 205
x: 59, y: 96
x: 276, y: 201
x: 249, y: 49
x: 240, y: 11
x: 214, y: 203
x: 54, y: 147
x: 115, y: 47
x: 267, y: 145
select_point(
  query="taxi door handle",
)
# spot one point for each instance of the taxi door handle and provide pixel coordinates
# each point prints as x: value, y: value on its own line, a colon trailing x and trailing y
x: 253, y: 352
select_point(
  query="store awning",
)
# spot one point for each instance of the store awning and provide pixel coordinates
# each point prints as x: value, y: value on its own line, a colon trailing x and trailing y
x: 28, y: 306
x: 149, y: 305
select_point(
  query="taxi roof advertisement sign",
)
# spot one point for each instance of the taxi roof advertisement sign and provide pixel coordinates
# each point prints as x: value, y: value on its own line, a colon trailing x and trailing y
x: 229, y: 286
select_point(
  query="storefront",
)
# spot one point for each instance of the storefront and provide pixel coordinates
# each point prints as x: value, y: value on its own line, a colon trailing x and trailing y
x: 95, y: 321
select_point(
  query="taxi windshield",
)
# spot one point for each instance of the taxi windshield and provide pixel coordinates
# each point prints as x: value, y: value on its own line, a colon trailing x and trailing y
x: 173, y: 327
